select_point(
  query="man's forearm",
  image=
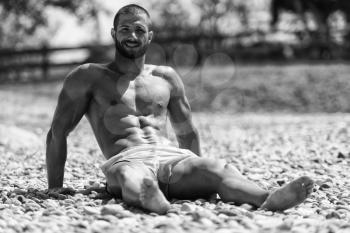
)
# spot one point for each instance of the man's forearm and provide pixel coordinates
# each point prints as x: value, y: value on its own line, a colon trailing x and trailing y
x: 191, y: 142
x: 56, y: 154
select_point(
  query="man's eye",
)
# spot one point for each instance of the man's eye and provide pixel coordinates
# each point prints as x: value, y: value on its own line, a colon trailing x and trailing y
x: 140, y: 31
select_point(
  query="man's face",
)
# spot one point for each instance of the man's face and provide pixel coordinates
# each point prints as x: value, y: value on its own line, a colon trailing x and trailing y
x: 132, y: 35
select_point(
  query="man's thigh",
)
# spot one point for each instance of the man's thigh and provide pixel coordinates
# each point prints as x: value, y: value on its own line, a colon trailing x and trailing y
x: 194, y: 178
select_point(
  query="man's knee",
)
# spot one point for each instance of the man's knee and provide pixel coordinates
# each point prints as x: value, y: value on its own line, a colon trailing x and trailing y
x: 120, y: 173
x: 211, y: 166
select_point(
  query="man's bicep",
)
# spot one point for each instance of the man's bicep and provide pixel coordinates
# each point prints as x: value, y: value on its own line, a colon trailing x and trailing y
x: 72, y: 104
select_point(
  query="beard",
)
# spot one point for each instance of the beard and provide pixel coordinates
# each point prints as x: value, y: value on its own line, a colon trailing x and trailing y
x: 130, y: 53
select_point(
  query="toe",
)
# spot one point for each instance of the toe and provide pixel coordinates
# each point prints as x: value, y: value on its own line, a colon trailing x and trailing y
x: 307, y: 180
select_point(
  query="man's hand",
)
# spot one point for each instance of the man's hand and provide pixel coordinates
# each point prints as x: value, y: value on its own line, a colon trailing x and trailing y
x: 60, y: 193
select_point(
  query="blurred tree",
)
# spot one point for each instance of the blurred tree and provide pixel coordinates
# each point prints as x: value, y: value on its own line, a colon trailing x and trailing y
x: 196, y: 16
x: 173, y: 17
x: 212, y: 11
x: 22, y: 19
x: 320, y: 9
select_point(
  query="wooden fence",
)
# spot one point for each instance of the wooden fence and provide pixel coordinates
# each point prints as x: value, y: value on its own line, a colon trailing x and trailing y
x: 15, y: 63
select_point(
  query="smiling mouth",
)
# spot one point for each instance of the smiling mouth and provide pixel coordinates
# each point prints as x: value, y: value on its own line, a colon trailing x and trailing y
x: 132, y: 44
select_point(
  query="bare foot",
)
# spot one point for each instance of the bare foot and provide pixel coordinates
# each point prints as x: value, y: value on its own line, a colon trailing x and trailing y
x: 289, y: 195
x: 152, y: 198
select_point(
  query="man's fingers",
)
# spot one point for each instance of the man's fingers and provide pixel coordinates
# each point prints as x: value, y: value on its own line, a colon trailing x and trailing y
x: 58, y: 192
x: 67, y: 191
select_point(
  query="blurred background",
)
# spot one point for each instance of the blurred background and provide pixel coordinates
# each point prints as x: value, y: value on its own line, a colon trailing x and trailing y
x: 233, y: 55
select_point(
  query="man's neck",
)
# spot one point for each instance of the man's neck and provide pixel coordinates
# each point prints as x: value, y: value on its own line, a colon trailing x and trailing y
x: 126, y: 65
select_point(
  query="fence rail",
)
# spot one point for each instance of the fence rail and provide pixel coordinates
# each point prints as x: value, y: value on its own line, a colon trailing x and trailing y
x: 13, y: 62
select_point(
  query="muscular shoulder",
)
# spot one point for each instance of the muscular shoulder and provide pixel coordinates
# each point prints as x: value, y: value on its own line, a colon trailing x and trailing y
x: 85, y: 73
x: 172, y: 77
x: 81, y: 79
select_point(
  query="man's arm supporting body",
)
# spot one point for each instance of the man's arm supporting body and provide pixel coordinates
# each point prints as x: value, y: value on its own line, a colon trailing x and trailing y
x: 72, y: 105
x: 180, y: 115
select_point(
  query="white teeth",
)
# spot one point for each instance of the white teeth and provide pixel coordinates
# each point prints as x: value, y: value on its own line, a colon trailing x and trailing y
x: 132, y: 44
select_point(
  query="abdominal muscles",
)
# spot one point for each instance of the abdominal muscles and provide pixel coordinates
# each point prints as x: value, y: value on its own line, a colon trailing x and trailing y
x: 131, y: 131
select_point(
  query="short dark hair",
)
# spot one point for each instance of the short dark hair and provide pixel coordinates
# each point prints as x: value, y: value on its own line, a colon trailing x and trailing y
x: 131, y: 9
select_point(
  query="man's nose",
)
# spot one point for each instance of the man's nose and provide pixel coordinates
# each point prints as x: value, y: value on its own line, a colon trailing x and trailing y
x: 133, y: 35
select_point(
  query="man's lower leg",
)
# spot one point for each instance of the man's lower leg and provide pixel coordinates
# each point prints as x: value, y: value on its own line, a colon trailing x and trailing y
x: 144, y: 193
x: 240, y: 190
x: 235, y: 188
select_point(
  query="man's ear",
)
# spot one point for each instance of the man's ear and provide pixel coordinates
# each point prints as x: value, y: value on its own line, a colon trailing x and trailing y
x: 150, y: 36
x: 113, y: 33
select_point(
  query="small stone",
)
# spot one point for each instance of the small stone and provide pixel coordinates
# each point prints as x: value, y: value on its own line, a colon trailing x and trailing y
x: 186, y: 207
x: 58, y: 196
x: 281, y: 182
x: 286, y: 227
x: 99, y: 225
x: 3, y: 224
x: 333, y: 214
x: 181, y: 201
x: 342, y: 207
x: 91, y: 210
x: 8, y: 201
x: 206, y: 222
x: 72, y: 213
x: 341, y: 203
x: 20, y: 191
x: 21, y: 198
x: 42, y: 195
x: 31, y: 206
x: 174, y: 211
x: 57, y: 212
x: 268, y: 222
x: 325, y: 186
x: 111, y: 202
x: 111, y: 209
x: 199, y: 202
x: 4, y: 199
x: 247, y: 206
x: 229, y: 212
x: 49, y: 203
x: 341, y: 155
x: 11, y: 195
x: 69, y: 202
x: 256, y: 177
x: 16, y: 202
x: 305, y: 212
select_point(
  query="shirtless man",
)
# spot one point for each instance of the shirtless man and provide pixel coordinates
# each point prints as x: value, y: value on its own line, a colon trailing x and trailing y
x: 127, y: 103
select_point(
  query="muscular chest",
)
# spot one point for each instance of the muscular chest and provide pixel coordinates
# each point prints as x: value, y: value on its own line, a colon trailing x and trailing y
x: 144, y: 95
x: 150, y: 97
